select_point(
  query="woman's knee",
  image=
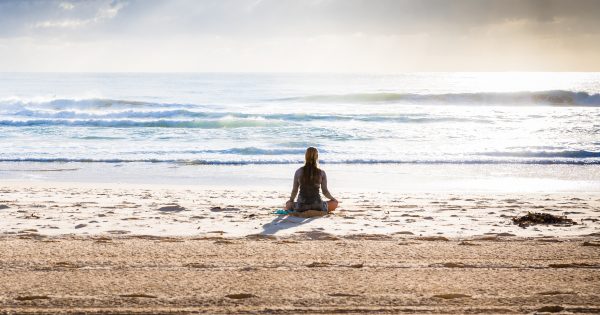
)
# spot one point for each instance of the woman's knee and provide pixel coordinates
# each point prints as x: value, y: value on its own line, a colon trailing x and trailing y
x: 331, y: 205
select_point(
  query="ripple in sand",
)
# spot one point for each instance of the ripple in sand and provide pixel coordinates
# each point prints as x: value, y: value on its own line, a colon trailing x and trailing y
x: 451, y: 296
x: 223, y: 242
x: 551, y: 309
x: 196, y: 265
x: 590, y: 244
x: 318, y: 265
x: 66, y: 264
x: 343, y: 295
x: 138, y: 295
x: 261, y: 237
x: 433, y: 238
x: 371, y: 237
x: 452, y: 265
x: 357, y: 266
x: 555, y: 293
x: 32, y: 297
x: 317, y: 235
x: 573, y: 265
x: 118, y: 232
x: 239, y: 296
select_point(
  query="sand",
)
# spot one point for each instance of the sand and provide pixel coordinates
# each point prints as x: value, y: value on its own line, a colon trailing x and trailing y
x: 102, y: 248
x: 293, y: 275
x: 53, y: 208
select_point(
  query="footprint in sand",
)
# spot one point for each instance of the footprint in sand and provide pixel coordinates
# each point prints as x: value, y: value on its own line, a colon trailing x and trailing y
x: 172, y: 208
x: 404, y: 233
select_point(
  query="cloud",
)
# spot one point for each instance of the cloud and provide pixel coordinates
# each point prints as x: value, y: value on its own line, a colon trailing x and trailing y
x: 61, y: 24
x: 66, y: 6
x: 109, y: 12
x: 104, y: 13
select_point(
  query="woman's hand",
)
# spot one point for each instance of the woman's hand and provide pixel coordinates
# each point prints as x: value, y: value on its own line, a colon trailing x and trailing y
x: 289, y: 205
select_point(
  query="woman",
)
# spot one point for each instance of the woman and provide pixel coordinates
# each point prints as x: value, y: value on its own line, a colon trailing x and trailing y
x: 309, y: 178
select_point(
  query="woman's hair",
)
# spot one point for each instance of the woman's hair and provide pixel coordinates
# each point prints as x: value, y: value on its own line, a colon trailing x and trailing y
x: 311, y: 172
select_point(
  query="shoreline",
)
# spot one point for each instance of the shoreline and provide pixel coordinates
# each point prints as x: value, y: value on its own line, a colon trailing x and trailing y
x: 398, y: 178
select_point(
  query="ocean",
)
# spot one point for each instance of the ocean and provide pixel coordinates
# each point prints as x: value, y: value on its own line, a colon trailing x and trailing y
x: 403, y: 122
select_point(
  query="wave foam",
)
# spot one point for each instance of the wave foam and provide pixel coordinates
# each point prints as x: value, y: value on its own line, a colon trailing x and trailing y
x: 205, y: 124
x: 297, y: 161
x: 45, y: 115
x: 555, y: 97
x: 574, y: 154
x: 86, y: 104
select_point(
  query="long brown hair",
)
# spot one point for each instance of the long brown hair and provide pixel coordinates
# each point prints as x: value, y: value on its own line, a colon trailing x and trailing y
x: 311, y: 173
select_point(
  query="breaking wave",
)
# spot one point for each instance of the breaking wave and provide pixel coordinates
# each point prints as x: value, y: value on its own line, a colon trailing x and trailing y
x: 85, y: 104
x: 186, y: 119
x: 574, y: 154
x: 125, y: 123
x: 555, y: 97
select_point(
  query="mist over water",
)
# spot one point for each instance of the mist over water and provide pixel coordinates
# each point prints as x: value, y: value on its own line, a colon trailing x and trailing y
x: 526, y: 118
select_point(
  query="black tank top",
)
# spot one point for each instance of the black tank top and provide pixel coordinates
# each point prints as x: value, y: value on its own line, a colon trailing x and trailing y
x: 309, y: 193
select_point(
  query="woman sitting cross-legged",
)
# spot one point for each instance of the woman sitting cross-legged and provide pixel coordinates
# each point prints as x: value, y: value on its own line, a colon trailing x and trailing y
x: 310, y: 179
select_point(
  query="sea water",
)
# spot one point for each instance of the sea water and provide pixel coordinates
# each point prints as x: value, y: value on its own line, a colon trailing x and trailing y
x: 181, y: 126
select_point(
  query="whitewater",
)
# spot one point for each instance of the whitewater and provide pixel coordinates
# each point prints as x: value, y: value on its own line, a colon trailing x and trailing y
x: 477, y: 118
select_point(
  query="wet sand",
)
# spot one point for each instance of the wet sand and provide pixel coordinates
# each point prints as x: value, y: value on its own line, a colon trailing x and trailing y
x: 348, y: 275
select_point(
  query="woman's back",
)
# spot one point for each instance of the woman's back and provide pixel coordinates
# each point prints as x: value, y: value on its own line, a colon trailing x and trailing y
x: 310, y: 179
x: 309, y: 188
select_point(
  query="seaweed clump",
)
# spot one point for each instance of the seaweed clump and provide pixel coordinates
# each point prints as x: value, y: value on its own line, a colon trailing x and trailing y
x: 532, y: 218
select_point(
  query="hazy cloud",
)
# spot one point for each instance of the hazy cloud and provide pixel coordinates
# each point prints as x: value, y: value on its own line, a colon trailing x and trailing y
x: 106, y: 12
x: 66, y: 6
x: 299, y: 35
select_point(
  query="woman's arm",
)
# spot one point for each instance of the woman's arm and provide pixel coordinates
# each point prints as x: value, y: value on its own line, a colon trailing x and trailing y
x: 324, y: 186
x: 296, y: 184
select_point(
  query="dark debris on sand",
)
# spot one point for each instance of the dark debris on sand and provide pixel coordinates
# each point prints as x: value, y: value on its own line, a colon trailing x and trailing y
x: 532, y: 218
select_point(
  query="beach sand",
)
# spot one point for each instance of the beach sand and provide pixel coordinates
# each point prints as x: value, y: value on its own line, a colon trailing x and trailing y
x: 58, y: 208
x: 346, y: 275
x: 114, y: 248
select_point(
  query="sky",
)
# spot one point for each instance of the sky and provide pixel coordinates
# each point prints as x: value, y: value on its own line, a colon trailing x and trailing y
x: 359, y: 36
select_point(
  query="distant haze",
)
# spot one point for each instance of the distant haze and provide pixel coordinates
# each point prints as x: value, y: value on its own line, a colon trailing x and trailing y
x: 379, y: 36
